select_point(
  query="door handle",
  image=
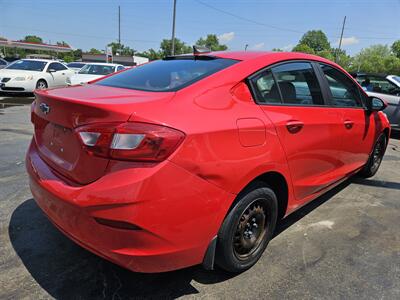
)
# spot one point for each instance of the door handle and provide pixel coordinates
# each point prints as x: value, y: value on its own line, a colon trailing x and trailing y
x: 348, y: 124
x: 294, y: 126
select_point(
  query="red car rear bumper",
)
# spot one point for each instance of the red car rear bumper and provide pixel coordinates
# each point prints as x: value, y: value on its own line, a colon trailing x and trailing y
x: 175, y: 214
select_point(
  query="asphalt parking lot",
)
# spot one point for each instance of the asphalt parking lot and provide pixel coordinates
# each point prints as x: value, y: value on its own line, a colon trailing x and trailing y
x: 345, y: 244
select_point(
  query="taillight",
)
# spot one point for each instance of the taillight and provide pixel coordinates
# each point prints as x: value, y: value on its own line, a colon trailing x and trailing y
x: 130, y: 141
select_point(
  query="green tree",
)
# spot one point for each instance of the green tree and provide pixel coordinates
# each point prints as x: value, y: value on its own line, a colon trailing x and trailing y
x: 303, y: 48
x: 151, y: 54
x: 316, y: 40
x: 32, y: 39
x: 277, y: 50
x: 211, y: 42
x: 376, y: 59
x: 94, y: 51
x: 396, y: 48
x: 121, y: 49
x: 180, y: 47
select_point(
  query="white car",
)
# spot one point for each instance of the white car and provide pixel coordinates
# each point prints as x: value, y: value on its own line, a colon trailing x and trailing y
x: 394, y: 79
x: 26, y: 75
x: 76, y: 66
x: 92, y: 71
x: 386, y: 88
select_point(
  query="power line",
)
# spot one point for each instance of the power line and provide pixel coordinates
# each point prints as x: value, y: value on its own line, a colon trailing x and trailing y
x: 246, y: 19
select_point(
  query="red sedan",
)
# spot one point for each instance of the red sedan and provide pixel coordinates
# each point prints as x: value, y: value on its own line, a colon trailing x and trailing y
x: 193, y: 159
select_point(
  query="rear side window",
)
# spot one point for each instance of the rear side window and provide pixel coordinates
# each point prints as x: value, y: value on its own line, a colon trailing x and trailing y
x: 291, y: 83
x: 167, y: 75
x: 345, y: 92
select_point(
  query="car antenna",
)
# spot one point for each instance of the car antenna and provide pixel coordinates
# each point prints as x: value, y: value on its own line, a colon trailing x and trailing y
x: 200, y: 50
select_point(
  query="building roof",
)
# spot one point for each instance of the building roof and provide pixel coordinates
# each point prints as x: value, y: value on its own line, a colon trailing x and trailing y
x: 34, y: 46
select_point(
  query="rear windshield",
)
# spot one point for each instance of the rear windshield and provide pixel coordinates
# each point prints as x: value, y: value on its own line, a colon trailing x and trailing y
x: 75, y: 65
x: 97, y: 70
x: 168, y: 74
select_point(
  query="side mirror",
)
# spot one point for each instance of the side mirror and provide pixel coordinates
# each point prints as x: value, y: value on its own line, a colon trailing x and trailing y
x: 376, y: 104
x: 51, y: 70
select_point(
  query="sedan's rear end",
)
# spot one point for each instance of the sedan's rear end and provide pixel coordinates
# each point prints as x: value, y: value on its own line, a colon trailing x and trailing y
x: 102, y: 175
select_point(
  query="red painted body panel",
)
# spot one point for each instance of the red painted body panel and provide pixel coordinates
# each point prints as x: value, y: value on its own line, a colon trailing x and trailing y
x: 180, y: 203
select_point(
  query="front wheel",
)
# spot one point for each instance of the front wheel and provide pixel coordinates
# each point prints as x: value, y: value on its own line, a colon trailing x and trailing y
x: 41, y: 84
x: 375, y: 159
x: 247, y: 229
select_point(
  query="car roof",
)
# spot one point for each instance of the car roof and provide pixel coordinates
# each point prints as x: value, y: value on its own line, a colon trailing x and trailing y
x: 42, y: 60
x: 251, y: 55
x: 103, y: 64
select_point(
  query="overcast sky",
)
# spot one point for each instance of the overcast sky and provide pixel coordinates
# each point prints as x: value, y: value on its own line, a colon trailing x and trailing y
x: 262, y: 25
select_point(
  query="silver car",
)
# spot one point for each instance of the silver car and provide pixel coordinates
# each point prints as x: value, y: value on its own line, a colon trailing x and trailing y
x: 387, y: 89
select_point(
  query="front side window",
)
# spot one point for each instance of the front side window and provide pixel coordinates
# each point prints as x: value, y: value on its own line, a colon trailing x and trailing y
x: 345, y: 92
x: 290, y: 83
x: 168, y: 74
x: 27, y: 65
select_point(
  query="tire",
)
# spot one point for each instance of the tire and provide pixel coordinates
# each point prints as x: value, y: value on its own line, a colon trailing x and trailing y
x: 41, y: 84
x: 247, y: 229
x: 375, y: 158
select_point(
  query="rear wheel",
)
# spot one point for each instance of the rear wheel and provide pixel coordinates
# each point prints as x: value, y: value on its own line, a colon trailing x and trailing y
x: 375, y: 159
x: 41, y: 84
x: 247, y: 229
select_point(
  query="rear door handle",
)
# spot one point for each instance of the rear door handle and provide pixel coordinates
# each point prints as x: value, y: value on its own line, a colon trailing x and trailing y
x: 294, y: 126
x: 348, y: 124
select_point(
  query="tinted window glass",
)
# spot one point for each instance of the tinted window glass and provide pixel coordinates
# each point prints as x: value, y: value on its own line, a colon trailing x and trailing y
x: 265, y: 88
x: 75, y: 65
x: 97, y: 69
x: 380, y: 85
x: 27, y: 65
x: 120, y: 68
x: 297, y: 84
x: 344, y: 91
x: 2, y: 62
x: 60, y: 67
x: 53, y: 66
x: 167, y: 75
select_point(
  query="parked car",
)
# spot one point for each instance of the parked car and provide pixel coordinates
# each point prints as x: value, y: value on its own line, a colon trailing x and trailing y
x: 386, y: 88
x: 394, y: 79
x: 193, y: 159
x: 3, y: 63
x: 26, y: 75
x: 76, y: 66
x: 92, y: 71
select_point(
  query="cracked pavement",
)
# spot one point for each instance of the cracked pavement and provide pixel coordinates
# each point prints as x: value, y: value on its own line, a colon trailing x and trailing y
x: 345, y: 244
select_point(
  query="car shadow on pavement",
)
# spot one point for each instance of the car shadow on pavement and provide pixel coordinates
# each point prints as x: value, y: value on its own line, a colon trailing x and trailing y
x: 65, y: 270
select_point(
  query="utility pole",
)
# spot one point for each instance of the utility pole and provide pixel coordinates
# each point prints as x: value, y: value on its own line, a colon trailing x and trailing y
x: 340, y: 41
x: 173, y: 30
x: 245, y: 47
x: 119, y: 25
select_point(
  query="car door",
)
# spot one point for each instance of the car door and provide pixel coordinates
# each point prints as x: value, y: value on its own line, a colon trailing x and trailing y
x: 59, y: 74
x: 291, y: 97
x: 358, y: 125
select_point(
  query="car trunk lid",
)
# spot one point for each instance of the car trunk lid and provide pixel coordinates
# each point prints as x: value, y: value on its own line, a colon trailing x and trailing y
x: 57, y: 113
